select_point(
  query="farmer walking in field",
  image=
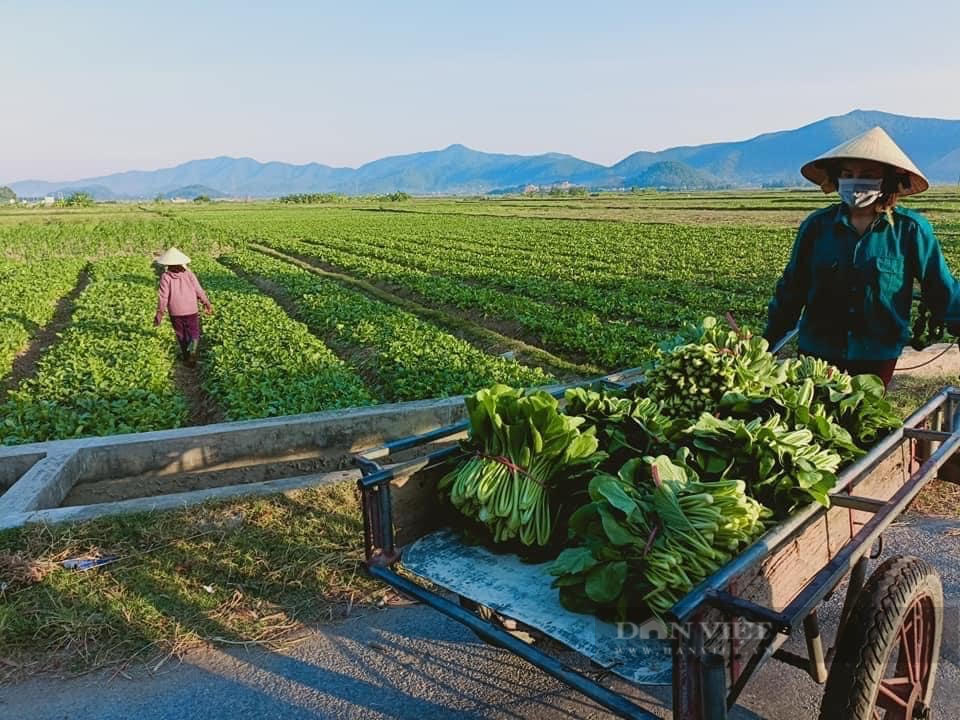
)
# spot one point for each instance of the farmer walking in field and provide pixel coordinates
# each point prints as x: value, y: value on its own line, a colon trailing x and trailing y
x: 178, y: 294
x: 853, y: 265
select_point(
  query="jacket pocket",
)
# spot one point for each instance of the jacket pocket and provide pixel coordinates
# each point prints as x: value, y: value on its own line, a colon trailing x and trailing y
x: 827, y: 293
x: 882, y: 310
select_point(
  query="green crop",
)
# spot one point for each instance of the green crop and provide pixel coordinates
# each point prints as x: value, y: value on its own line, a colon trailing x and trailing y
x: 719, y: 439
x: 110, y: 373
x: 412, y: 358
x: 28, y: 298
x: 259, y: 362
x: 566, y: 284
x: 521, y: 451
x: 648, y: 535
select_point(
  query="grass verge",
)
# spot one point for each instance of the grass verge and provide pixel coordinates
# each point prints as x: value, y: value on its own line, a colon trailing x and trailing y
x: 250, y: 572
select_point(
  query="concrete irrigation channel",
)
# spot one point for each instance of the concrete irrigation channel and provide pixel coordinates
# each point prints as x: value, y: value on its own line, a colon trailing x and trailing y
x: 76, y: 480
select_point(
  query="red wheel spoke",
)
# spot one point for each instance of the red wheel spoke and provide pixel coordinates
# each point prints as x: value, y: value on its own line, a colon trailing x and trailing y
x: 918, y: 641
x: 895, y: 680
x: 906, y: 652
x: 894, y: 694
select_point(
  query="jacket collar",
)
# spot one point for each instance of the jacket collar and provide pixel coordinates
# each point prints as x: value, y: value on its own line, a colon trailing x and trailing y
x: 842, y: 217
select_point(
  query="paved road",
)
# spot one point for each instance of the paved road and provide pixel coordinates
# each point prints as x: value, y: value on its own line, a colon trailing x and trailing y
x: 413, y: 663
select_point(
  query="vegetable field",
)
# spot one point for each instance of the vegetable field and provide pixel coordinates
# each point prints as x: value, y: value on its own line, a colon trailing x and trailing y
x: 321, y: 307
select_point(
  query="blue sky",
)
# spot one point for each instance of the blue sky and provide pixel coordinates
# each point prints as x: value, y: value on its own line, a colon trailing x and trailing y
x: 97, y: 87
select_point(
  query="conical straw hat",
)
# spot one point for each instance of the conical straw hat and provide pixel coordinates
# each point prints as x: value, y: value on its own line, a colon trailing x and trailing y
x: 874, y: 145
x: 173, y: 257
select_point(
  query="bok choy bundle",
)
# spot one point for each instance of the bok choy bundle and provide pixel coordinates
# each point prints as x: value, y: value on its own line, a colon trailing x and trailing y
x: 520, y: 451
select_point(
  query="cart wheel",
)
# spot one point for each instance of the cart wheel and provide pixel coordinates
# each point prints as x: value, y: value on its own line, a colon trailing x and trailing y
x: 887, y: 655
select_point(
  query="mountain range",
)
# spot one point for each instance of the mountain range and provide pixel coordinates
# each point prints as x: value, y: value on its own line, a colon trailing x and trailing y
x: 769, y: 159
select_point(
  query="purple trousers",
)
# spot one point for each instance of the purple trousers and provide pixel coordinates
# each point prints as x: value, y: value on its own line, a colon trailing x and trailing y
x: 186, y: 328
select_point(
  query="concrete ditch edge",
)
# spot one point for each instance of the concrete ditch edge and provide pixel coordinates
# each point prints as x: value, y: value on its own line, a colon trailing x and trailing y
x: 174, y: 501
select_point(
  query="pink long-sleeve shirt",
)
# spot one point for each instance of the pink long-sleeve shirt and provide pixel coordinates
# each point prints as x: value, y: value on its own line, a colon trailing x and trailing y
x: 179, y: 292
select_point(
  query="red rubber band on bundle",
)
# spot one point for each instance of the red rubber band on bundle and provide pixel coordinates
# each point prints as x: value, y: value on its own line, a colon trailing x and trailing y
x: 655, y: 474
x: 503, y: 460
x: 733, y: 323
x: 511, y: 465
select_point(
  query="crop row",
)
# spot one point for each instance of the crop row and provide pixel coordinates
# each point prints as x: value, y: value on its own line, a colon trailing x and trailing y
x: 138, y: 233
x: 28, y: 299
x: 564, y: 329
x: 259, y: 362
x: 111, y: 371
x: 726, y: 258
x: 556, y: 288
x: 411, y: 358
x: 647, y: 297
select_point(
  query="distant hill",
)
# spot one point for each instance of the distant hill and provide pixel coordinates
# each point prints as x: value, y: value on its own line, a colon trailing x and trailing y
x: 934, y: 145
x: 97, y: 192
x: 673, y: 174
x: 6, y: 194
x: 768, y: 159
x: 189, y: 192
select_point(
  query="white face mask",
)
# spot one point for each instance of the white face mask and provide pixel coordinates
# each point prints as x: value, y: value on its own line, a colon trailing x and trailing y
x: 859, y: 192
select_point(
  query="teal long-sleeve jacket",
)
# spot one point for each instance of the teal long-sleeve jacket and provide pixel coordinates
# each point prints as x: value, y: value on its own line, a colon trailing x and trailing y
x: 855, y: 292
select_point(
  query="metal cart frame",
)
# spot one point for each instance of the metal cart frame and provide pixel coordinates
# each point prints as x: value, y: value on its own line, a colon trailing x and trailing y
x: 707, y: 677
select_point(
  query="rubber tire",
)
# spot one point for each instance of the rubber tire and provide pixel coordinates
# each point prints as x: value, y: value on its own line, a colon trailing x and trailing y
x: 872, y: 634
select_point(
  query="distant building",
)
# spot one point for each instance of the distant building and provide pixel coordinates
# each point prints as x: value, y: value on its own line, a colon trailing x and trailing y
x: 530, y: 189
x: 49, y: 200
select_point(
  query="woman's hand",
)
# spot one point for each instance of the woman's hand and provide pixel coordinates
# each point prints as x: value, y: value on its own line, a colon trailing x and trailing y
x: 208, y: 309
x: 158, y: 318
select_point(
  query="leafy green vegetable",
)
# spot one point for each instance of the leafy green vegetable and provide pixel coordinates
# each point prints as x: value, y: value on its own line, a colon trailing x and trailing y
x: 521, y: 449
x: 626, y: 426
x: 111, y: 372
x: 783, y: 468
x: 28, y: 298
x: 856, y: 403
x: 692, y: 372
x: 648, y: 535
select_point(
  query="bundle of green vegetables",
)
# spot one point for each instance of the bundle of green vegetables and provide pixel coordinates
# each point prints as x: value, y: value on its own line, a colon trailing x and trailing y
x: 856, y: 402
x: 661, y: 484
x: 521, y: 449
x: 692, y: 372
x: 648, y: 535
x: 784, y: 468
x: 626, y: 426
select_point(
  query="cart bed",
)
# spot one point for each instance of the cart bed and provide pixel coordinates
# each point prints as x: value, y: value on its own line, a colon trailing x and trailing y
x: 522, y: 591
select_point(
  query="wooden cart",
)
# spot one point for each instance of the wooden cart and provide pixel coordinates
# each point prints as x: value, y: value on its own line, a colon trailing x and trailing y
x: 884, y: 656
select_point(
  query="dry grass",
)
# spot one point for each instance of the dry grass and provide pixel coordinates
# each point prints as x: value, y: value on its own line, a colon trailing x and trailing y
x: 249, y: 572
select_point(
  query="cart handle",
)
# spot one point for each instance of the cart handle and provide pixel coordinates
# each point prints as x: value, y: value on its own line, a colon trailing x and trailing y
x: 779, y: 344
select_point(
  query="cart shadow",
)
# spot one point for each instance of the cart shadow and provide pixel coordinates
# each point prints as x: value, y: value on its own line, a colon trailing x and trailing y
x: 460, y: 668
x: 461, y: 665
